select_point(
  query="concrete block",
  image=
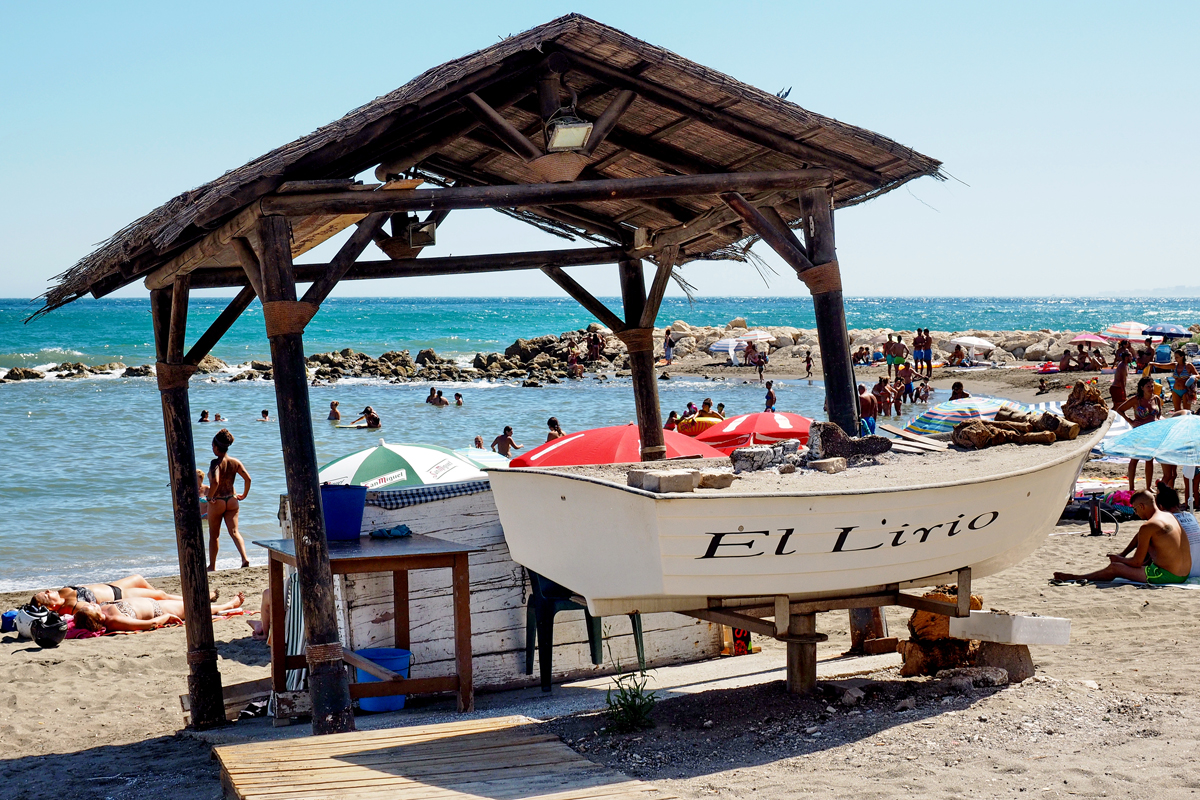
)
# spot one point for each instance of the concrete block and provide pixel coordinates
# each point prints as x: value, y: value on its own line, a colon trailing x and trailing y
x: 991, y: 626
x: 830, y: 465
x: 635, y: 477
x: 711, y: 479
x: 753, y: 457
x: 1012, y: 658
x: 668, y: 480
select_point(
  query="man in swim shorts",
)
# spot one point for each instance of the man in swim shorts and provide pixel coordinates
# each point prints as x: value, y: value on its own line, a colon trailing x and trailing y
x: 1161, y: 553
x: 867, y: 409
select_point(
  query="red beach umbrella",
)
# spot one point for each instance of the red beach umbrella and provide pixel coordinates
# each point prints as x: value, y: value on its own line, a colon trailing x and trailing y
x: 765, y: 427
x: 619, y: 444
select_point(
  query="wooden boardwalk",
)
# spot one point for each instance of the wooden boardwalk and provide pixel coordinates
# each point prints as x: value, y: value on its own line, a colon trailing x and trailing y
x: 501, y: 758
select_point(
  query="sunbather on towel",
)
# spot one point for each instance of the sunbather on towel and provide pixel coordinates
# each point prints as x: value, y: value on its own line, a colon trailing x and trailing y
x: 65, y: 599
x: 1160, y: 550
x: 139, y: 614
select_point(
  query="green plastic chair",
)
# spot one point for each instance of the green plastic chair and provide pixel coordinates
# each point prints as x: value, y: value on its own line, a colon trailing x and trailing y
x: 547, y: 598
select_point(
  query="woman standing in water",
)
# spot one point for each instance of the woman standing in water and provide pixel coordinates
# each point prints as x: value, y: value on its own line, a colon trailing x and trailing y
x: 223, y: 503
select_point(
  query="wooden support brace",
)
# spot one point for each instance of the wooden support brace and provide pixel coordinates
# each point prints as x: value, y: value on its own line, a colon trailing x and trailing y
x: 179, y: 314
x: 220, y: 326
x: 497, y: 124
x: 666, y: 265
x: 345, y: 258
x: 782, y: 241
x: 608, y: 119
x: 584, y: 298
x: 249, y: 261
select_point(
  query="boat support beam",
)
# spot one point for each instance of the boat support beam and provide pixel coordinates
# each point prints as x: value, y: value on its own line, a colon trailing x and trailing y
x: 795, y: 621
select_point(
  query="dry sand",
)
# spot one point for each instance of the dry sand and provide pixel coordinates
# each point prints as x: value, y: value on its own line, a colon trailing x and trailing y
x: 98, y: 718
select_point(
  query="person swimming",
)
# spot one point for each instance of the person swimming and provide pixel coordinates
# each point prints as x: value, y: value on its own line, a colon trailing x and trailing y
x: 204, y: 416
x: 223, y: 503
x: 265, y: 417
x: 504, y: 443
x: 556, y: 431
x: 373, y: 419
x: 334, y: 414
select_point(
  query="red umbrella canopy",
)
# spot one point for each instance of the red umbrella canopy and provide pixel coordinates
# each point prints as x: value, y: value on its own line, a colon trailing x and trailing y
x: 618, y: 444
x: 765, y: 427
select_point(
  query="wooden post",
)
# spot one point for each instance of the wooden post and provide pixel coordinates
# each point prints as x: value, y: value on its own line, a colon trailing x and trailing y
x: 285, y: 319
x: 640, y: 342
x: 824, y: 280
x: 802, y: 656
x: 204, y: 680
x: 866, y: 624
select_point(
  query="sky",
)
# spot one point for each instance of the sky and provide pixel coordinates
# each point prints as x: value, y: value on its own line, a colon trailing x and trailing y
x: 1068, y: 128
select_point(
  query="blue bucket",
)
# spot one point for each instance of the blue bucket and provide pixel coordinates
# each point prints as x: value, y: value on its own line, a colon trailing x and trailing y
x: 392, y: 658
x: 343, y: 507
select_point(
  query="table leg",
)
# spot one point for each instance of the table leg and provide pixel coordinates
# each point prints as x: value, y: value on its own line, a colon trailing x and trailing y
x: 278, y: 625
x: 400, y: 601
x: 462, y: 633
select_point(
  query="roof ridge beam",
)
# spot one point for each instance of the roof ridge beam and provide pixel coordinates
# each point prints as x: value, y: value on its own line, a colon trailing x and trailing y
x: 543, y: 194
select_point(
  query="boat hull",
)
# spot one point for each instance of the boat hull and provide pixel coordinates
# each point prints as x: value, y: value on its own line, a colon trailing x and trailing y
x: 625, y: 549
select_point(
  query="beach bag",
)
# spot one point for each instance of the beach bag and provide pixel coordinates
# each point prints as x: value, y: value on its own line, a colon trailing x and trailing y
x: 8, y: 621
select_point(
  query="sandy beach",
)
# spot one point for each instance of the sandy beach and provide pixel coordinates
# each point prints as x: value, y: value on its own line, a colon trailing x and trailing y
x: 1113, y: 714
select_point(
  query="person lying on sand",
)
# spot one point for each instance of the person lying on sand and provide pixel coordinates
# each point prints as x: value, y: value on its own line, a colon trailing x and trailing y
x: 260, y: 629
x: 139, y: 614
x: 1160, y: 550
x: 64, y: 600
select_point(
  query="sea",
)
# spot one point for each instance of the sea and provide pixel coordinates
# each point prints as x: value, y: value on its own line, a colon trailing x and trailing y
x: 84, y: 491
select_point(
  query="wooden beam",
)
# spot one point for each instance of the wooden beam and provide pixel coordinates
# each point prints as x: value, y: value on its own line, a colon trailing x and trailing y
x: 541, y: 194
x: 666, y: 264
x: 723, y: 121
x: 179, y: 315
x: 781, y: 240
x: 250, y: 266
x: 641, y: 361
x: 584, y: 298
x: 160, y: 317
x: 203, y: 250
x: 663, y: 154
x: 607, y: 120
x: 345, y: 258
x: 705, y: 223
x: 220, y: 325
x: 497, y: 124
x: 225, y: 277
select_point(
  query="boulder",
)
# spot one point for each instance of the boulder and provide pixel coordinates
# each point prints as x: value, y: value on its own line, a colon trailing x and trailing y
x: 427, y: 357
x: 23, y: 374
x: 143, y: 371
x: 210, y: 364
x: 248, y: 375
x: 260, y: 366
x: 737, y: 322
x: 1013, y: 660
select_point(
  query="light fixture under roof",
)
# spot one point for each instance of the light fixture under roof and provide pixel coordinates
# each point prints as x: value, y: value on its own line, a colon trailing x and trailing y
x: 567, y: 133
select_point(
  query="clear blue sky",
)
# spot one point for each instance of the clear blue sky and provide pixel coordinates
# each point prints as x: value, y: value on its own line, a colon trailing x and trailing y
x: 1074, y: 125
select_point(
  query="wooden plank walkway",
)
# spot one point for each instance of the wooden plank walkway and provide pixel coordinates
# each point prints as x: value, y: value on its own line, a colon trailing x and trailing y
x: 503, y: 758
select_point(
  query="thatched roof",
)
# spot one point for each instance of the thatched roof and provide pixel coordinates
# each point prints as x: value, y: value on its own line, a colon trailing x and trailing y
x: 651, y: 140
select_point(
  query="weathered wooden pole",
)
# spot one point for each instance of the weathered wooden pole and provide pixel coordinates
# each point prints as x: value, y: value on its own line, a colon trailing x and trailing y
x: 285, y: 320
x: 204, y: 680
x: 639, y: 340
x: 825, y: 282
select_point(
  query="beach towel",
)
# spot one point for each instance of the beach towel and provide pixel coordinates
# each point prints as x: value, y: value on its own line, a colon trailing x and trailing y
x: 1190, y: 583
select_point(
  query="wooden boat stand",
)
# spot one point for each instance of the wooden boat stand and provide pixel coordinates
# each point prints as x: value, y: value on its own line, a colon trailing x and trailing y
x: 795, y: 622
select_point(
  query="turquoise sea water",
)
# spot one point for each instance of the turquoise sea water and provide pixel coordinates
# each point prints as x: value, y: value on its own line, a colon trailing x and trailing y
x: 83, y: 483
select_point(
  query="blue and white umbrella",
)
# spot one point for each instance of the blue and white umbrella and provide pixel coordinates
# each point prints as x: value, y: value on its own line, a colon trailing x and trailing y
x: 1174, y: 440
x: 727, y: 346
x: 1167, y: 331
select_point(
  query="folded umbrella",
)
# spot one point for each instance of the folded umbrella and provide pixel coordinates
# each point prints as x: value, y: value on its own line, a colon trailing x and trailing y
x: 764, y: 427
x: 617, y: 444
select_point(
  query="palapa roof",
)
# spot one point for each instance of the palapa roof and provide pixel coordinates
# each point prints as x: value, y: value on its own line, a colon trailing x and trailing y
x: 653, y: 138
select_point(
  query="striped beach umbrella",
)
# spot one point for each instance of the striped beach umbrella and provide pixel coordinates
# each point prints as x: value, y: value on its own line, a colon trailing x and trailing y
x: 1124, y: 330
x: 1089, y: 338
x: 395, y: 466
x: 756, y: 336
x: 728, y: 346
x: 944, y: 416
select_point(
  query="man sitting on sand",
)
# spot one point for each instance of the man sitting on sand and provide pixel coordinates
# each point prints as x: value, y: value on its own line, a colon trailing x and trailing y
x: 1160, y: 550
x: 1064, y: 363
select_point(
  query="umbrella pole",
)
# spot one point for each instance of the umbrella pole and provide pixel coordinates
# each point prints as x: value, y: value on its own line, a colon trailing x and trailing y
x: 825, y: 283
x: 640, y: 342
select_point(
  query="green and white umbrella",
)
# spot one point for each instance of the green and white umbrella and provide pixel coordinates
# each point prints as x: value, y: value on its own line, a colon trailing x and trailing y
x: 396, y: 466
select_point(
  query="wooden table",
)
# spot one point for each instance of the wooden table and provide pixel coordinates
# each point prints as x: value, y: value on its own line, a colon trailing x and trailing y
x: 396, y: 556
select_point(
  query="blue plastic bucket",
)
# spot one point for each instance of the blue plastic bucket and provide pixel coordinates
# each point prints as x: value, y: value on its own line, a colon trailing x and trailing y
x: 392, y: 658
x: 343, y: 507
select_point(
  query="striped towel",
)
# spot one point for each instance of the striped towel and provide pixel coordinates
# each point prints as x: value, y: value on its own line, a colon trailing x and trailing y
x: 416, y: 495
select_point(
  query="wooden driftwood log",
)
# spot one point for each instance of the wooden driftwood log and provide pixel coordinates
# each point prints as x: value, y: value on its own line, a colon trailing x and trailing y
x: 1061, y: 428
x: 931, y: 648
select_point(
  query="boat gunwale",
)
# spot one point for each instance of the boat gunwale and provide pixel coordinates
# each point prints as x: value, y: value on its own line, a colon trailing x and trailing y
x: 1095, y: 439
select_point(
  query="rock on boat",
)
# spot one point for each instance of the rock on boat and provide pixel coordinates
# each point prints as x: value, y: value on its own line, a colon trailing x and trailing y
x: 625, y: 549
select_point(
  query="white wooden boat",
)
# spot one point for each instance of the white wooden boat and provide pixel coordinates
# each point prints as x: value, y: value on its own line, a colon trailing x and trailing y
x: 625, y: 549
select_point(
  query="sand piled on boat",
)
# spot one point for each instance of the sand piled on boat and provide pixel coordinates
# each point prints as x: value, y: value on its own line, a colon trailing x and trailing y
x: 889, y: 471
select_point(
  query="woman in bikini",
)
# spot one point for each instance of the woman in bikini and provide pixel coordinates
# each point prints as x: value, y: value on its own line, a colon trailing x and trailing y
x: 223, y: 503
x: 1147, y: 407
x: 1120, y: 377
x: 139, y: 614
x: 64, y: 600
x: 1183, y: 382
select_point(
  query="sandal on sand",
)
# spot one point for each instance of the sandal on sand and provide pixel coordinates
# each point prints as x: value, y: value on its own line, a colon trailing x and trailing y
x: 1056, y: 582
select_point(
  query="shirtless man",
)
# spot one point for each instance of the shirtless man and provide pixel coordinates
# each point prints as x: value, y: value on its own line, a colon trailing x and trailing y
x: 887, y: 354
x: 868, y: 407
x: 770, y: 398
x: 883, y: 396
x: 1160, y: 550
x: 439, y: 401
x: 1064, y: 363
x: 266, y: 417
x: 905, y: 374
x: 140, y: 614
x: 899, y: 353
x: 1145, y: 355
x: 64, y: 600
x: 504, y: 444
x: 223, y: 503
x: 432, y: 396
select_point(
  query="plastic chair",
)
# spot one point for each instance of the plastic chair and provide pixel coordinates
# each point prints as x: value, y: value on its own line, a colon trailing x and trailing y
x: 547, y: 598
